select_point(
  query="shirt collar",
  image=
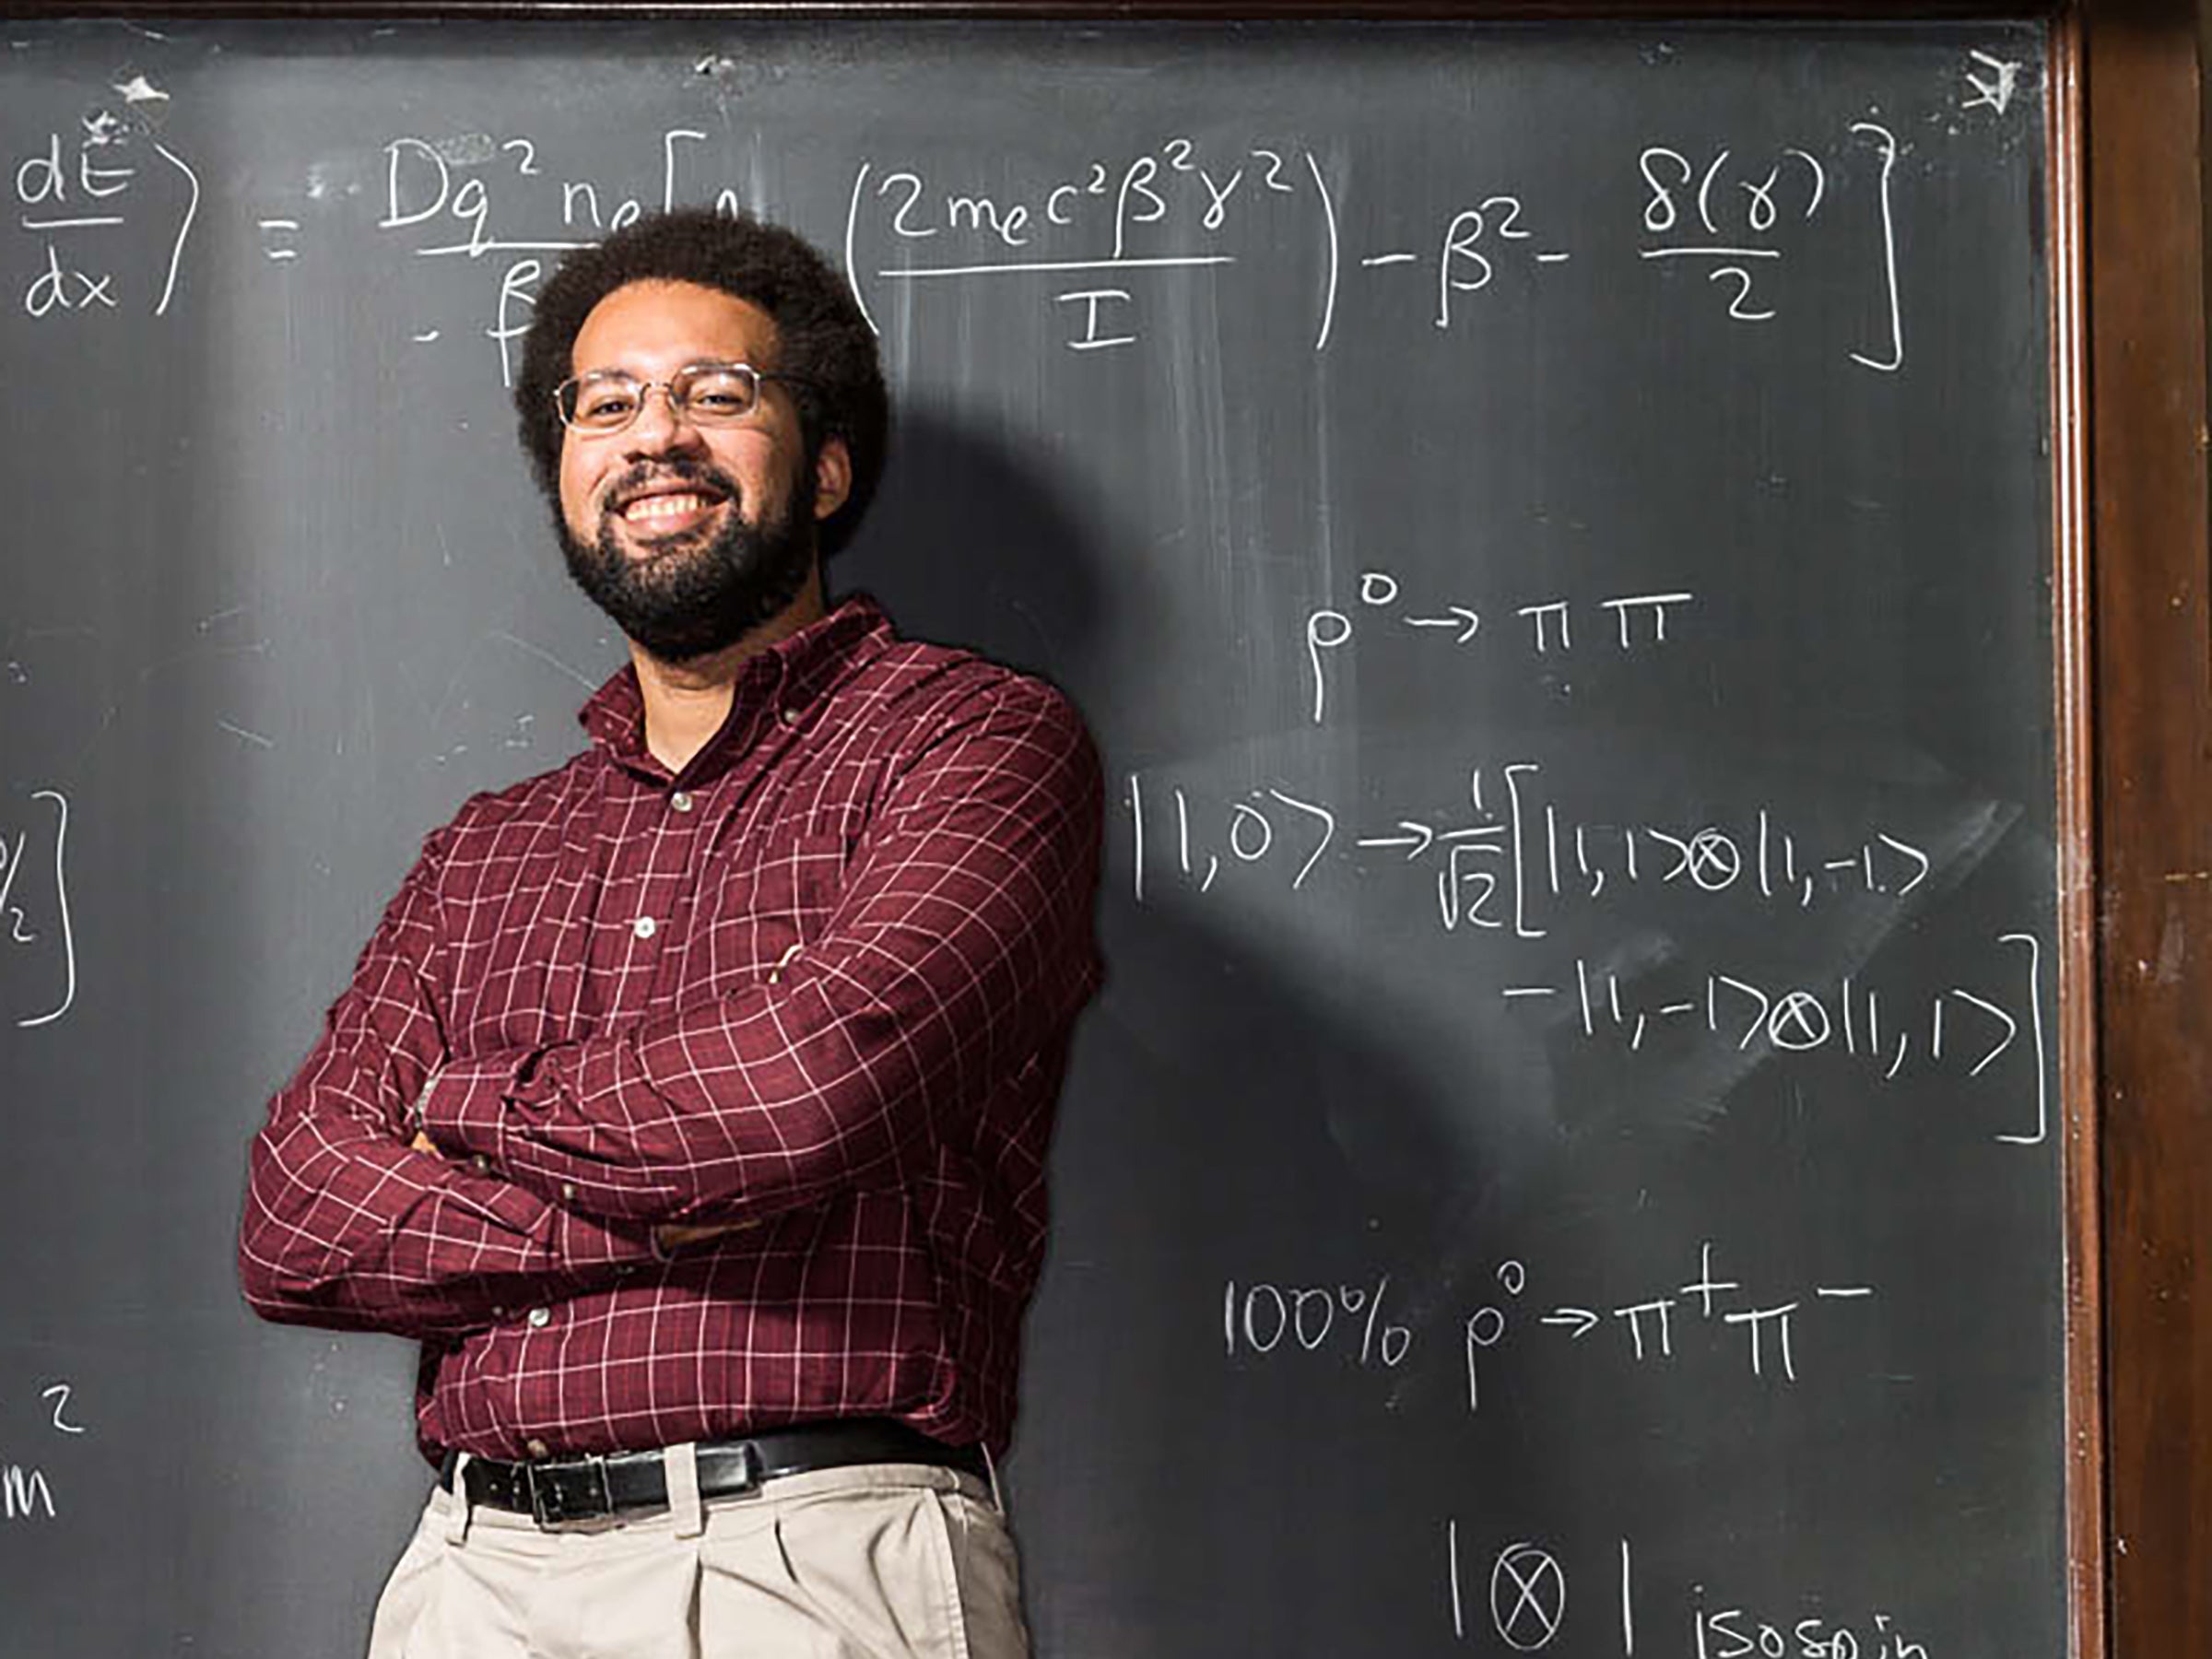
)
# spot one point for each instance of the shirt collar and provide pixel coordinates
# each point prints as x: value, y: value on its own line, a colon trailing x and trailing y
x: 783, y: 681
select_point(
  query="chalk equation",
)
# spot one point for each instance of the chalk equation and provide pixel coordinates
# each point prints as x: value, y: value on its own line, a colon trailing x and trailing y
x: 1087, y: 236
x: 1354, y: 1326
x: 1730, y: 216
x: 479, y: 196
x: 1544, y: 626
x: 77, y: 192
x: 1109, y: 225
x: 1803, y: 1020
x: 1515, y: 854
x: 38, y: 936
x: 1511, y: 873
x: 1517, y: 1589
x: 1103, y: 223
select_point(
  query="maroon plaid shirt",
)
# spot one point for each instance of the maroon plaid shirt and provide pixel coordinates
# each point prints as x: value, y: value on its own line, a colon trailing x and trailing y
x: 818, y: 985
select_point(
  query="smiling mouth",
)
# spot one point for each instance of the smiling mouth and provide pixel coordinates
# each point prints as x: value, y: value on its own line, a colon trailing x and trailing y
x: 667, y: 512
x: 653, y: 509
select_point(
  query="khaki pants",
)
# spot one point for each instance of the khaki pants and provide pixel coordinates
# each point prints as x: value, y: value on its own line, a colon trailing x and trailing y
x: 876, y: 1561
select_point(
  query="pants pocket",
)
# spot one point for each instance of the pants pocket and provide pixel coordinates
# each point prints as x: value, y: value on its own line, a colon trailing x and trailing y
x: 860, y: 1575
x: 986, y: 1573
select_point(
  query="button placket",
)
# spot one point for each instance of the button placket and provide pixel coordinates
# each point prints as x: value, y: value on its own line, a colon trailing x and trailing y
x: 630, y: 834
x: 665, y: 899
x: 651, y: 902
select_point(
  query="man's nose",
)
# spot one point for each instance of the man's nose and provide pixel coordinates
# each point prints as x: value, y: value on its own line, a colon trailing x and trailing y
x: 661, y: 424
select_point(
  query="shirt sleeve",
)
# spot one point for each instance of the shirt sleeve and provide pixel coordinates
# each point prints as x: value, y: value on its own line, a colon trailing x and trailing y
x: 345, y: 1225
x: 959, y: 949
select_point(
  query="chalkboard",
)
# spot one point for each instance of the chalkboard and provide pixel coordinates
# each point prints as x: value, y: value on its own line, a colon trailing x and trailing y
x: 1552, y: 528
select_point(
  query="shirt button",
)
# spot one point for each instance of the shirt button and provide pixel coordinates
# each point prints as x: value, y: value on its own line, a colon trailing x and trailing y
x: 540, y: 1318
x: 644, y: 927
x: 790, y: 717
x: 536, y: 1447
x: 681, y: 800
x: 568, y: 1189
x: 480, y: 1164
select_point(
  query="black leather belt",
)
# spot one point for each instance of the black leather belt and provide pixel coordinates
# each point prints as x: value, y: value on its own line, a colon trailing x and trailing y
x: 580, y: 1488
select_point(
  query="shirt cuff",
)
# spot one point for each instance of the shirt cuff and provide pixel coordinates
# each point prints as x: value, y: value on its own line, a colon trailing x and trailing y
x: 462, y: 1108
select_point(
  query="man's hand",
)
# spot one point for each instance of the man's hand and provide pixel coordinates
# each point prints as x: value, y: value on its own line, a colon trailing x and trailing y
x: 673, y: 1235
x: 669, y: 1235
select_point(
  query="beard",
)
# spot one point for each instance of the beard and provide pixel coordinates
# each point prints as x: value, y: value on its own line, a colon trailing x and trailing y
x: 697, y: 595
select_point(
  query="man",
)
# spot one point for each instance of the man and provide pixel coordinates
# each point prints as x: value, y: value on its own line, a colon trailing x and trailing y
x: 689, y: 1104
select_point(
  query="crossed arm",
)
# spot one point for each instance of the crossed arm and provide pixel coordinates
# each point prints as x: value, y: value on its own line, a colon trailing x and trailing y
x: 348, y: 1225
x: 398, y: 1187
x: 959, y: 948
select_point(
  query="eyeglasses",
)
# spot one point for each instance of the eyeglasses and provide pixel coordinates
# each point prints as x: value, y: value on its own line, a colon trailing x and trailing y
x: 706, y: 395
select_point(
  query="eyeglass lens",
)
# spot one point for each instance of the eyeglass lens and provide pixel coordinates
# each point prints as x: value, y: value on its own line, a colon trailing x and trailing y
x: 705, y: 394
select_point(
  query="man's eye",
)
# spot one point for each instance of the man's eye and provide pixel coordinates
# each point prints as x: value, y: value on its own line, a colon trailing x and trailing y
x: 720, y: 395
x: 606, y: 405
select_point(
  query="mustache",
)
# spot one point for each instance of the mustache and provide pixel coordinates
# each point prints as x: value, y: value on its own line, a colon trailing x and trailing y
x: 646, y: 477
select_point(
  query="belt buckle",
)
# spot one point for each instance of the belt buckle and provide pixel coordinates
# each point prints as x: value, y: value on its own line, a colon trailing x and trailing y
x: 555, y: 1495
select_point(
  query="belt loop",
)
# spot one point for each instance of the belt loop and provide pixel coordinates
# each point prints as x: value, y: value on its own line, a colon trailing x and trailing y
x: 457, y: 1516
x: 680, y: 1464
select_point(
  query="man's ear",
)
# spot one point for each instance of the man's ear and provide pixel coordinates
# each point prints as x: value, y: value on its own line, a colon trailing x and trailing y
x: 832, y: 477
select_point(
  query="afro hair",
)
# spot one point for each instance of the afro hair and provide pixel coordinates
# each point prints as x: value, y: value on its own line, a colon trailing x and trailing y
x: 822, y: 338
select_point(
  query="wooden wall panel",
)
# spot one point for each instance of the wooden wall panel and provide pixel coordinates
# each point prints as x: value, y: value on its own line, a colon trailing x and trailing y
x: 2154, y: 774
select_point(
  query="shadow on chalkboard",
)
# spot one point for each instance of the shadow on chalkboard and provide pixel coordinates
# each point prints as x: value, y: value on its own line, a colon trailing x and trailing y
x: 967, y: 546
x: 1226, y: 1134
x: 972, y: 543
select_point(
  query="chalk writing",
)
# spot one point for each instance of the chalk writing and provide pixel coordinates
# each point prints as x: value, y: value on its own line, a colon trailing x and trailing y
x: 1801, y: 1018
x: 25, y: 1493
x: 278, y: 239
x: 1731, y: 216
x: 74, y: 193
x: 1179, y: 206
x: 58, y: 1394
x: 1528, y: 1597
x: 1516, y: 853
x: 1346, y: 1326
x: 1738, y: 1632
x: 1164, y: 209
x: 478, y: 197
x: 1528, y: 1608
x: 1503, y: 876
x: 1994, y: 82
x: 1543, y: 628
x: 1893, y: 358
x: 1258, y: 1319
x: 1527, y: 1592
x: 1094, y: 235
x: 36, y: 926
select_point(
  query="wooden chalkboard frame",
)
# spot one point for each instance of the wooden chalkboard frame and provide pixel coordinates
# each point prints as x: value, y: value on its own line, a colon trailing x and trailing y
x: 2133, y: 621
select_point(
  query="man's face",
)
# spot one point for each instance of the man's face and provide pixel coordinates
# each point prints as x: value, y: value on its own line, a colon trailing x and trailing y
x: 689, y: 537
